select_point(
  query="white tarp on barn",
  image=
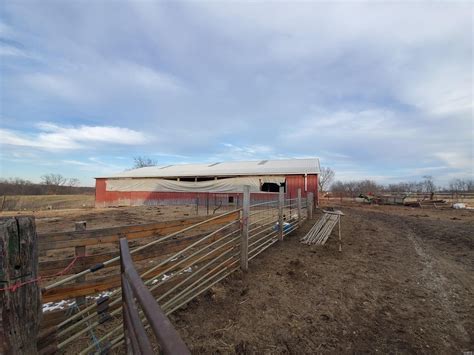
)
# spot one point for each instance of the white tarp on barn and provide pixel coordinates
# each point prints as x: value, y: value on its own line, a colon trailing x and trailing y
x: 165, y: 185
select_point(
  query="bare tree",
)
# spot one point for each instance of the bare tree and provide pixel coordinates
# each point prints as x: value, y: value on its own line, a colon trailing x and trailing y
x: 142, y: 161
x: 461, y: 185
x: 325, y: 178
x: 338, y: 187
x: 73, y: 182
x: 368, y: 186
x: 457, y: 185
x: 428, y: 184
x: 53, y: 180
x: 18, y: 186
x: 470, y: 185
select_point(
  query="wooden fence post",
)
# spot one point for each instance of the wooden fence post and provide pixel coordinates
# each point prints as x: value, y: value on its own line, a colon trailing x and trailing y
x: 339, y: 230
x: 244, y: 242
x: 79, y: 252
x: 281, y: 203
x: 20, y: 295
x: 299, y: 205
x: 309, y: 204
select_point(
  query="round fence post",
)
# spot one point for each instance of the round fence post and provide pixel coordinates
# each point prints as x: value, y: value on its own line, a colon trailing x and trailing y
x: 310, y: 203
x: 20, y: 295
x: 244, y: 242
x: 281, y: 203
x: 298, y: 200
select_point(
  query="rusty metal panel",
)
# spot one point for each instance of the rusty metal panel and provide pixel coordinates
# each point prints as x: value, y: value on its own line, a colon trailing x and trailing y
x: 133, y: 287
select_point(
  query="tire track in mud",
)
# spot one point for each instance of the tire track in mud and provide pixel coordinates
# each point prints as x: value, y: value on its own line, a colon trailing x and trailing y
x: 431, y: 277
x: 437, y: 282
x: 392, y: 290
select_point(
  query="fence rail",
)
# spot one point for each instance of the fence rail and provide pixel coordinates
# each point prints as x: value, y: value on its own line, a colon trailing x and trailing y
x: 137, y: 340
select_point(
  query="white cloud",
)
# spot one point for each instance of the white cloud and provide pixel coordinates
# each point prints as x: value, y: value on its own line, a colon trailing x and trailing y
x: 5, y: 30
x: 457, y: 160
x: 103, y: 80
x: 11, y: 51
x: 94, y: 165
x: 53, y: 137
x: 358, y: 124
x: 56, y: 85
x: 243, y: 152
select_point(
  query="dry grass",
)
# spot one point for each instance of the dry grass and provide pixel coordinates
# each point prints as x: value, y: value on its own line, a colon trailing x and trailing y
x: 45, y: 202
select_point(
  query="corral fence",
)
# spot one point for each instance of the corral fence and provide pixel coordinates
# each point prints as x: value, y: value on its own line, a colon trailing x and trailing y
x: 196, y: 203
x: 177, y: 261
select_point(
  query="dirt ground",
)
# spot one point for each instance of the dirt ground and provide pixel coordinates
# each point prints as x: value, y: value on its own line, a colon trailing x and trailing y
x: 403, y: 283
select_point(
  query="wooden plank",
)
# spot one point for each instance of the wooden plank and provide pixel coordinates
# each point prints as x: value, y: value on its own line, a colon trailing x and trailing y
x: 103, y: 232
x: 127, y: 229
x: 111, y: 281
x: 107, y: 236
x: 20, y: 308
x: 50, y: 268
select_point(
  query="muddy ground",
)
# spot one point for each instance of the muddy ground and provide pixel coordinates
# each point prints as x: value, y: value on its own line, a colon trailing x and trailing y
x: 403, y: 282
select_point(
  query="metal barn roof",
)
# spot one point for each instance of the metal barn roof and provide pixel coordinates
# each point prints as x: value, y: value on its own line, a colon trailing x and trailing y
x: 232, y: 168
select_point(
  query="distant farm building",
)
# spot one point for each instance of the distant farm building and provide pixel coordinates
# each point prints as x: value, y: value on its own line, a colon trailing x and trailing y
x: 220, y: 182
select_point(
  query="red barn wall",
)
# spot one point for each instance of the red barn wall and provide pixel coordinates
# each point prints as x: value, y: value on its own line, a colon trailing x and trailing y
x: 294, y: 182
x: 104, y: 198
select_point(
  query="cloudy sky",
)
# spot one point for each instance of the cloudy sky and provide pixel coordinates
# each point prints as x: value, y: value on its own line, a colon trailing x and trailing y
x: 375, y: 90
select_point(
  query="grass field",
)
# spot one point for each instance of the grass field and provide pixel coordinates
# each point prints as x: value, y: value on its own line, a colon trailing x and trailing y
x: 45, y: 202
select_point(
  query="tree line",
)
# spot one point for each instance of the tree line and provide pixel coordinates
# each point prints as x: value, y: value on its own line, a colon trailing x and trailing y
x: 51, y: 184
x: 427, y: 185
x: 356, y: 187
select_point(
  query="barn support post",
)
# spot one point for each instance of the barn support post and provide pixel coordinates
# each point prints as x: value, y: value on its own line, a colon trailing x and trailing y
x: 281, y: 203
x: 20, y: 295
x: 244, y: 243
x: 310, y: 204
x: 298, y: 200
x: 79, y: 252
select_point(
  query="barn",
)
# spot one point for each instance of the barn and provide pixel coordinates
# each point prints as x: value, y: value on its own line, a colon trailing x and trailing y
x: 220, y: 182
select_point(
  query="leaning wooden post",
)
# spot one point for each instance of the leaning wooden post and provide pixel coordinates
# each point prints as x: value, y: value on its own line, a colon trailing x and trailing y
x: 80, y: 251
x: 310, y: 202
x: 244, y: 242
x: 299, y: 206
x: 281, y: 203
x: 20, y: 295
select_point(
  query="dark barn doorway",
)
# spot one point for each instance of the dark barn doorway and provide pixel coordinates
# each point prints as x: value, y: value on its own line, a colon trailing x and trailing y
x: 270, y: 187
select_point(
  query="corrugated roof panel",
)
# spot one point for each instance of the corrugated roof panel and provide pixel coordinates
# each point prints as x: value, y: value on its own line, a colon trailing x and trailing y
x: 232, y: 168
